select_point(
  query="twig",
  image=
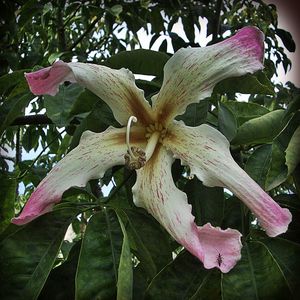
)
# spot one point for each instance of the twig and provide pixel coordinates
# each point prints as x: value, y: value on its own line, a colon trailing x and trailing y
x: 18, y: 146
x: 116, y: 190
x: 84, y: 34
x: 62, y: 46
x: 43, y: 150
x: 7, y: 158
x: 32, y: 120
x: 72, y: 16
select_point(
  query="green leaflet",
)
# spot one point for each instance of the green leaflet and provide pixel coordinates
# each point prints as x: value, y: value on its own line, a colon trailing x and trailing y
x: 139, y: 61
x: 125, y: 272
x: 27, y: 254
x: 260, y: 130
x: 8, y: 187
x: 98, y: 263
x: 59, y: 107
x: 268, y: 270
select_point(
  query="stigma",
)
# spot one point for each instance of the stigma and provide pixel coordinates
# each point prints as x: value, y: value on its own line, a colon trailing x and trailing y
x: 136, y: 158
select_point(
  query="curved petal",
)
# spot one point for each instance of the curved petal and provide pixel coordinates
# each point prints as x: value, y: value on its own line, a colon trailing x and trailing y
x: 155, y: 191
x: 191, y: 74
x: 206, y: 151
x: 96, y: 153
x: 116, y: 87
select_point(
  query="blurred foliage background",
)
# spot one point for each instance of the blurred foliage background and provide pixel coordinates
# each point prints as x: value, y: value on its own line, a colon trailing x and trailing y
x: 37, y: 261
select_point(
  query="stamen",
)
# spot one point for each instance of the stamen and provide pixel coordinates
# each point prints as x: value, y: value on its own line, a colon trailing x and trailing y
x: 130, y: 120
x: 152, y: 142
x: 136, y: 158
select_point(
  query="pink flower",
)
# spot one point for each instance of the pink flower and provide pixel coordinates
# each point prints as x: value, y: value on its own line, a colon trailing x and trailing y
x: 151, y: 145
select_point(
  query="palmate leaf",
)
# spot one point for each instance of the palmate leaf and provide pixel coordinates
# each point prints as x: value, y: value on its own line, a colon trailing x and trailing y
x: 27, y: 254
x: 268, y: 270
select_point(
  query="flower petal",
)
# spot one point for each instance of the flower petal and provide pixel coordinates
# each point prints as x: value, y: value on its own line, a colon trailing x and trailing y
x: 155, y: 191
x: 96, y: 153
x: 116, y: 87
x: 206, y: 151
x: 191, y: 74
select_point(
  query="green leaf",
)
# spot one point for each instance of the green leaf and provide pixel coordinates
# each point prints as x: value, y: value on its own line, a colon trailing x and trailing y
x: 207, y: 202
x: 30, y: 138
x: 60, y: 284
x: 291, y: 201
x: 116, y: 10
x: 188, y: 26
x: 278, y: 170
x: 184, y: 278
x: 140, y: 61
x: 286, y: 38
x: 195, y: 114
x: 27, y: 254
x: 157, y: 21
x: 144, y: 234
x: 14, y: 105
x: 58, y: 107
x: 177, y: 41
x: 293, y: 151
x: 125, y: 272
x: 247, y: 84
x: 245, y: 111
x: 97, y: 121
x: 8, y: 188
x: 260, y: 130
x: 268, y: 270
x: 84, y: 104
x: 258, y: 164
x: 266, y: 165
x: 227, y: 122
x: 97, y: 270
x: 10, y: 80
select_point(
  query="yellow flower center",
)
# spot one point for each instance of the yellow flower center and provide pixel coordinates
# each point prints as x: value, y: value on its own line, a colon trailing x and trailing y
x: 136, y: 158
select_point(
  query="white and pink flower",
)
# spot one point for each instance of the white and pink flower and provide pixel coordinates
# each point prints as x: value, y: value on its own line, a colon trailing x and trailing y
x: 155, y: 139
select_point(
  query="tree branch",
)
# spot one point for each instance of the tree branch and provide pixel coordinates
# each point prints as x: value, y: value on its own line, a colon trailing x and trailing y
x: 32, y: 120
x: 84, y: 34
x: 62, y: 46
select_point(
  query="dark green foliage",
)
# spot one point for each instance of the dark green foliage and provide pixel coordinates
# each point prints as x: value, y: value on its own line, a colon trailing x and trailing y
x: 118, y: 250
x: 28, y: 254
x: 97, y: 270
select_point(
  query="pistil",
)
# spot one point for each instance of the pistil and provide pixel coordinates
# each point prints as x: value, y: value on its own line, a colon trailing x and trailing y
x: 130, y: 120
x: 152, y: 142
x: 136, y: 158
